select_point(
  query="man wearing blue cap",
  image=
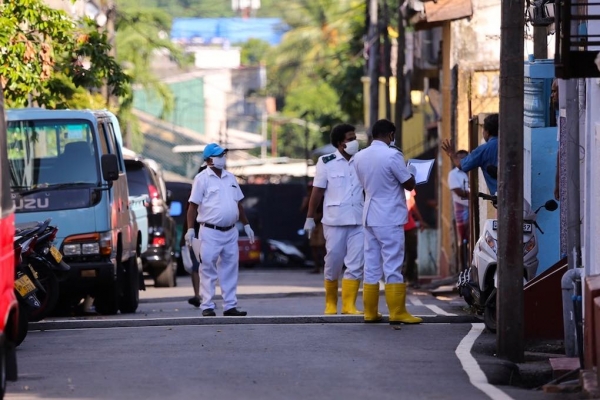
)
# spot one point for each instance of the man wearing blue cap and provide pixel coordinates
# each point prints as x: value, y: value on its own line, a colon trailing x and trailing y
x: 215, y: 204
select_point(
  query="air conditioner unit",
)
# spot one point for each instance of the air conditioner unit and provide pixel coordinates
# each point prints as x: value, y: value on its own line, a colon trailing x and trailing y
x: 541, y: 13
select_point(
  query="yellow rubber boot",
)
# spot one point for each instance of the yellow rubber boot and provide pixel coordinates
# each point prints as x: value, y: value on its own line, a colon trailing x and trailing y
x: 349, y: 294
x: 395, y: 297
x: 371, y: 302
x: 331, y: 297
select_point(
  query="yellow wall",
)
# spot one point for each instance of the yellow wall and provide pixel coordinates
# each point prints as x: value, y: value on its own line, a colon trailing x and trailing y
x: 477, y: 94
x: 413, y: 129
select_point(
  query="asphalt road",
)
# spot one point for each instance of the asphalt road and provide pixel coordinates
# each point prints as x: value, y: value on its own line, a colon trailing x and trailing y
x: 285, y: 349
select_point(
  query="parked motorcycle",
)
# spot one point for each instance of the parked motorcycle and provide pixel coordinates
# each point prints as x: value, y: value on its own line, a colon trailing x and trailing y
x: 47, y: 263
x: 25, y: 288
x: 477, y: 285
x: 284, y: 254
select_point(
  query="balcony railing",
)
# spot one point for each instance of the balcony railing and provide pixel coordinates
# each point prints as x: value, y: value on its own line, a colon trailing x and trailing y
x: 576, y: 48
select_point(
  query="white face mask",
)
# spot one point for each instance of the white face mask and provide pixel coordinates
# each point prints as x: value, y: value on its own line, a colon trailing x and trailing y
x: 219, y: 162
x: 352, y: 147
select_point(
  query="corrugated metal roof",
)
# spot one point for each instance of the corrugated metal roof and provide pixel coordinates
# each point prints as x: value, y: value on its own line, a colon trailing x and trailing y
x: 234, y: 30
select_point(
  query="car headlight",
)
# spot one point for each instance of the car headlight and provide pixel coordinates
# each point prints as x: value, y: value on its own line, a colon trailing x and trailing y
x: 529, y: 245
x: 90, y: 248
x: 88, y: 244
x: 491, y: 242
x: 71, y: 249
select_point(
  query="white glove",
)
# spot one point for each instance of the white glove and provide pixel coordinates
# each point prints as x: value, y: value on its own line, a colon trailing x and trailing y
x: 189, y: 235
x: 249, y: 232
x: 412, y: 169
x: 309, y: 226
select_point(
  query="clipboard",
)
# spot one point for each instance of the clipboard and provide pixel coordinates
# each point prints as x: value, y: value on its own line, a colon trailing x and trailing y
x: 423, y: 167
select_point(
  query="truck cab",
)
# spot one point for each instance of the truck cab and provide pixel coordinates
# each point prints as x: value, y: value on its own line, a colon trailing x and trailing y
x: 9, y: 310
x: 68, y: 165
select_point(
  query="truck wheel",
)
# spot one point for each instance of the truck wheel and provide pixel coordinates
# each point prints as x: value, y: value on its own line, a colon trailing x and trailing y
x: 130, y: 297
x: 489, y: 313
x: 166, y: 277
x: 107, y: 299
x: 3, y: 354
x: 23, y: 323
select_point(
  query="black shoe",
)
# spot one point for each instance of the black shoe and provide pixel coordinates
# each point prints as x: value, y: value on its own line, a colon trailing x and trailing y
x: 233, y: 312
x: 195, y: 301
x: 209, y: 312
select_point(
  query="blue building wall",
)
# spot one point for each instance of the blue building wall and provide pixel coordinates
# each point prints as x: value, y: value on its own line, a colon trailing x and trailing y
x: 543, y: 171
x: 544, y: 146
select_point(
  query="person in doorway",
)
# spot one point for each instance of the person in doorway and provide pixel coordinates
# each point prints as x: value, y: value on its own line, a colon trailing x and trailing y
x: 336, y: 185
x: 384, y: 176
x: 485, y: 156
x: 316, y: 238
x: 410, y: 269
x: 458, y: 182
x: 215, y: 203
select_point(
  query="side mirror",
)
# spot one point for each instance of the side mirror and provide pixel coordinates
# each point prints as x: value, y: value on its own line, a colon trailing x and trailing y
x: 551, y: 205
x: 110, y: 167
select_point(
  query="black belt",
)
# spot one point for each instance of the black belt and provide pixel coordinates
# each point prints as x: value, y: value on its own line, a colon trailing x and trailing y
x: 219, y: 228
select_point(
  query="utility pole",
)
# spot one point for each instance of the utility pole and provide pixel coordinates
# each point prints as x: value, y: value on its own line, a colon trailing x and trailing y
x: 373, y: 41
x: 108, y: 8
x: 263, y: 130
x: 540, y: 42
x: 306, y: 153
x: 400, y: 87
x: 510, y: 315
x: 387, y: 55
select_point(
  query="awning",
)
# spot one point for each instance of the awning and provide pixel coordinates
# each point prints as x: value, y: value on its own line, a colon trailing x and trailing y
x: 436, y: 13
x: 448, y: 10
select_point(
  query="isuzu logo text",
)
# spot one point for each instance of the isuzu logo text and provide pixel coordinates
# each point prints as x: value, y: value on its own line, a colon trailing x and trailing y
x: 32, y: 204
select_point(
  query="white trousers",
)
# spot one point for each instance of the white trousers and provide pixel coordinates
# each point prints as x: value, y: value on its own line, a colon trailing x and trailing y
x: 220, y: 257
x: 384, y: 254
x: 345, y: 246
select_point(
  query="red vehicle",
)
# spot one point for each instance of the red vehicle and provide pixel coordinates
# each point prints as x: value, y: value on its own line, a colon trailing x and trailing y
x: 9, y: 310
x: 250, y: 254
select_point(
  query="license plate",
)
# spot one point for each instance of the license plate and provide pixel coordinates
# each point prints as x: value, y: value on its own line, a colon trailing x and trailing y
x: 253, y: 254
x: 527, y: 227
x: 24, y: 286
x: 88, y: 273
x: 56, y: 254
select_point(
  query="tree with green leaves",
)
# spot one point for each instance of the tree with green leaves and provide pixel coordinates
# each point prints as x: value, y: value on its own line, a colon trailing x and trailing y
x: 141, y: 33
x: 317, y: 40
x: 50, y: 60
x: 316, y: 70
x: 254, y: 52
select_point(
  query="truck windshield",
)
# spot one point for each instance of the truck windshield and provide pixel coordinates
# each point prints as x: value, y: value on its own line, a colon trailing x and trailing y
x: 45, y: 153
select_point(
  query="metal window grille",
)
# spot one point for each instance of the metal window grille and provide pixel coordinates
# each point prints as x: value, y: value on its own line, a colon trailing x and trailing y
x: 573, y: 56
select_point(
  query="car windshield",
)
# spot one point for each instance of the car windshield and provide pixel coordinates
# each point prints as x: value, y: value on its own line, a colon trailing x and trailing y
x: 43, y: 153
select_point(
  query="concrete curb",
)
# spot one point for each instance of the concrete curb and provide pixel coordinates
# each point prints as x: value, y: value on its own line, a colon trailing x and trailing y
x: 239, y: 296
x: 245, y: 296
x: 195, y: 321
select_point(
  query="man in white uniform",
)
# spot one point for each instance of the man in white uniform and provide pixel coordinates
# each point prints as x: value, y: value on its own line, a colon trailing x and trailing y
x: 215, y: 204
x: 384, y: 176
x: 335, y: 178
